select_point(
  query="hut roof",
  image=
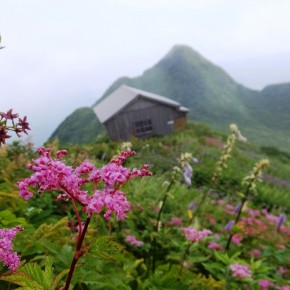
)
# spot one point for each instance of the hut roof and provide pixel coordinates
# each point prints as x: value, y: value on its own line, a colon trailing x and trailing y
x: 122, y: 96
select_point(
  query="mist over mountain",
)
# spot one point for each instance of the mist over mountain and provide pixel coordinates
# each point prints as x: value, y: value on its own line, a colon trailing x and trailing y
x: 211, y: 94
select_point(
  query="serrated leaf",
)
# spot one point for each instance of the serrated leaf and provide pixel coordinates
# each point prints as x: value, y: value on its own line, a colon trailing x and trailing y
x: 65, y: 256
x: 48, y: 271
x: 21, y: 278
x: 38, y: 275
x: 104, y: 248
x: 58, y: 278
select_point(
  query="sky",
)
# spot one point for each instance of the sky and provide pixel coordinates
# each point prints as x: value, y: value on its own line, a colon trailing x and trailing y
x: 61, y: 55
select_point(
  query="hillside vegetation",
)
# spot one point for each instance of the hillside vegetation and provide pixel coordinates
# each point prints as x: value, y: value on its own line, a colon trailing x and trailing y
x: 159, y: 245
x: 212, y: 96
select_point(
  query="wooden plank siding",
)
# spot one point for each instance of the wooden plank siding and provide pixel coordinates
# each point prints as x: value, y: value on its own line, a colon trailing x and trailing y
x: 122, y: 125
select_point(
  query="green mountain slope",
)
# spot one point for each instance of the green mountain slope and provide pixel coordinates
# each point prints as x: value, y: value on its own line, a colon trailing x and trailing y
x: 80, y: 127
x: 185, y: 76
x: 273, y: 105
x: 211, y: 95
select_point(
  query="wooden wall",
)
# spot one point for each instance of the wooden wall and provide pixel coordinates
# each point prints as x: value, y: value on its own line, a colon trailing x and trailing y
x: 122, y: 125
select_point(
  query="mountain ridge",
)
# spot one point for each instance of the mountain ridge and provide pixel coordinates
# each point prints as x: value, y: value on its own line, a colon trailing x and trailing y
x: 210, y: 93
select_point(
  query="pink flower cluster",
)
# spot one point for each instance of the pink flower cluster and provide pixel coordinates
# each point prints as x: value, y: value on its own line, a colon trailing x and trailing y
x: 240, y: 271
x: 267, y: 285
x: 133, y: 241
x: 214, y: 246
x: 7, y: 255
x: 53, y: 174
x: 174, y: 221
x: 194, y: 235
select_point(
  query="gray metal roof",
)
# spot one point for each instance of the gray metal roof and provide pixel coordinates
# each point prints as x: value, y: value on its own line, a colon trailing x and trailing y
x: 113, y: 103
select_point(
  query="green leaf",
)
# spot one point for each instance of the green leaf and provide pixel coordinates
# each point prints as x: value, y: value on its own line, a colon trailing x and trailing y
x: 21, y: 278
x: 104, y: 248
x: 42, y: 277
x: 223, y: 257
x: 65, y: 256
x: 58, y: 278
x: 8, y: 219
x: 215, y: 269
x: 48, y: 271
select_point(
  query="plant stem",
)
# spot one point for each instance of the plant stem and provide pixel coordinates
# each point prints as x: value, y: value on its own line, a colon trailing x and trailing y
x: 77, y: 254
x: 205, y: 193
x: 238, y: 217
x: 78, y: 218
x: 157, y: 225
x: 186, y: 253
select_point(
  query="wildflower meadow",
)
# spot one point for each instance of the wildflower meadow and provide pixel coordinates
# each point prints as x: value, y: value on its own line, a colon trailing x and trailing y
x: 192, y: 210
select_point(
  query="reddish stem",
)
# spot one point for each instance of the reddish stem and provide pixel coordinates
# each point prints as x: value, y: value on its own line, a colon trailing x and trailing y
x: 77, y: 254
x: 78, y: 218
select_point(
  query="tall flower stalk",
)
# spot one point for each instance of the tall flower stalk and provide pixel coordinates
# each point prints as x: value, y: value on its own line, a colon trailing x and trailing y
x: 158, y: 225
x: 185, y: 169
x: 250, y: 183
x: 220, y: 166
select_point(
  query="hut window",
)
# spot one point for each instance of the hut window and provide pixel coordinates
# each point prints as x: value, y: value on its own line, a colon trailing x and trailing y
x: 143, y: 127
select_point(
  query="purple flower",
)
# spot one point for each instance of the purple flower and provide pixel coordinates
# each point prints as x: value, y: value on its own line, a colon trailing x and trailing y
x: 187, y: 174
x: 237, y: 208
x: 281, y: 221
x: 191, y: 206
x: 229, y: 225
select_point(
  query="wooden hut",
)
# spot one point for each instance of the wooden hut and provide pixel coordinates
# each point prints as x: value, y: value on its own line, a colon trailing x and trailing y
x: 131, y: 112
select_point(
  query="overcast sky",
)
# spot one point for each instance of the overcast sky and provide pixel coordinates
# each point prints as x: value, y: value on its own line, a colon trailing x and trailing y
x: 63, y: 54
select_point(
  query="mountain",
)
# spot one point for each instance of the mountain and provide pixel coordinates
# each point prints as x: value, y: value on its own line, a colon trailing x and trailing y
x: 212, y: 96
x: 80, y: 127
x: 187, y: 77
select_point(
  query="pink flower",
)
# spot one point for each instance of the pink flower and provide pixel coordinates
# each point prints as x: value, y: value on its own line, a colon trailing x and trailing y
x: 265, y: 284
x: 111, y: 200
x: 194, y: 235
x: 284, y: 288
x: 282, y: 270
x: 281, y: 247
x: 253, y: 212
x: 214, y: 246
x: 255, y: 252
x: 174, y: 221
x: 272, y: 218
x: 220, y: 202
x: 240, y: 271
x: 53, y: 175
x: 133, y: 241
x: 7, y: 255
x: 236, y: 239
